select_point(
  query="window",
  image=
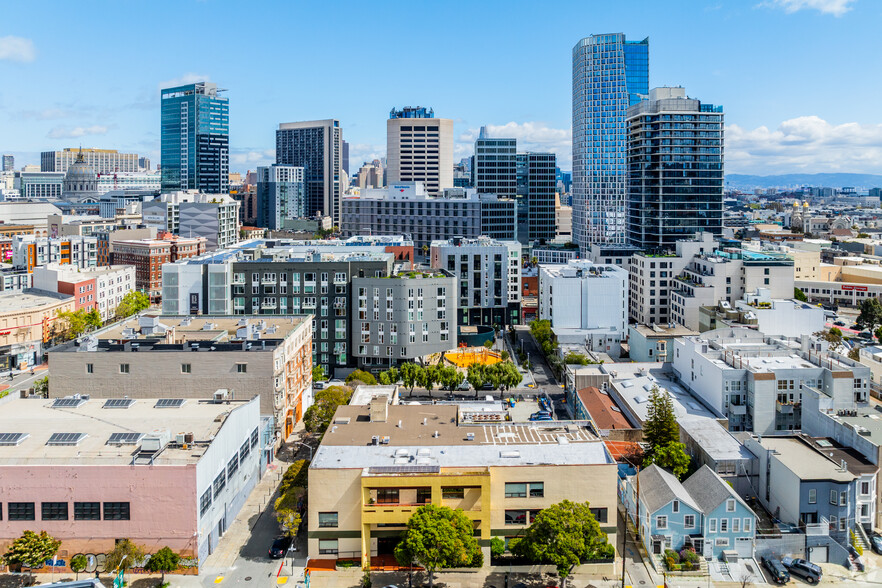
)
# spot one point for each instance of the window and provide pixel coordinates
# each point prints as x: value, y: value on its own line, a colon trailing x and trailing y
x: 515, y: 490
x: 123, y: 368
x: 120, y: 511
x: 748, y: 524
x: 676, y: 506
x: 724, y: 525
x: 387, y: 495
x: 233, y: 465
x: 87, y: 511
x: 736, y: 525
x: 21, y: 511
x: 712, y: 526
x: 254, y: 437
x: 53, y: 511
x: 689, y: 521
x: 537, y: 489
x: 515, y: 517
x: 204, y: 503
x: 454, y: 492
x: 241, y: 368
x: 244, y: 451
x: 834, y: 497
x: 661, y: 522
x: 600, y: 514
x: 724, y: 542
x: 185, y: 368
x: 219, y: 482
x: 327, y: 519
x: 843, y: 498
x: 424, y: 495
x: 328, y: 546
x: 730, y: 505
x: 812, y: 496
x: 90, y: 368
x: 865, y: 488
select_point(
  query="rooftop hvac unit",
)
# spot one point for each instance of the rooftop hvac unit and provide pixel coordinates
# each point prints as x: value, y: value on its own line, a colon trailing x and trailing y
x: 220, y: 395
x: 375, y: 440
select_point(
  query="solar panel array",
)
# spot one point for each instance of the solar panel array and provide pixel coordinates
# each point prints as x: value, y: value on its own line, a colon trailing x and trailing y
x: 12, y: 438
x: 68, y: 402
x: 124, y: 438
x: 169, y: 403
x: 65, y: 438
x: 118, y: 403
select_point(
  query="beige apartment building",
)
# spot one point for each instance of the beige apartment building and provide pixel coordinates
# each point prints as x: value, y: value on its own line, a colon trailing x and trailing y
x: 377, y: 464
x: 419, y: 148
x: 26, y: 321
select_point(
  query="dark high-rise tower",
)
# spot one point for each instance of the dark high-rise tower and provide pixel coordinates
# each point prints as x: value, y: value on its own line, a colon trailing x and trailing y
x: 316, y: 146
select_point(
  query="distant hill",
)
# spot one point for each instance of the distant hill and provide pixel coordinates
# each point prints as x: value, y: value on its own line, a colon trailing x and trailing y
x: 749, y: 182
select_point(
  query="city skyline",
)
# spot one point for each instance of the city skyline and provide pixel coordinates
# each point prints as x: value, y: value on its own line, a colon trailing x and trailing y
x: 761, y: 60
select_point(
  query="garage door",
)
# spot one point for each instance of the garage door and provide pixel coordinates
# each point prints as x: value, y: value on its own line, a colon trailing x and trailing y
x: 817, y: 554
x: 744, y: 546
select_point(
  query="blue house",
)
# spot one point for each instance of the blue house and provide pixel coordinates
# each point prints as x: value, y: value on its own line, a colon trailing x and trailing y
x: 703, y: 513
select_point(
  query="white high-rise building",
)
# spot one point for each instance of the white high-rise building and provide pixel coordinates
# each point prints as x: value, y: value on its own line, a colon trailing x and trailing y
x: 419, y: 148
x: 103, y: 161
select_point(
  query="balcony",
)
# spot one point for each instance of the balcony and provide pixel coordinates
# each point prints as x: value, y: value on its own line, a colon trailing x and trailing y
x: 737, y: 409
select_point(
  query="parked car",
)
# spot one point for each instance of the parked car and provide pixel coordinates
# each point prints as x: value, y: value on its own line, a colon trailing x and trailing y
x: 488, y: 386
x: 806, y: 570
x: 776, y: 569
x: 279, y: 547
x: 865, y: 335
x: 464, y: 386
x: 876, y: 542
x: 541, y: 416
x: 318, y: 385
x: 839, y: 323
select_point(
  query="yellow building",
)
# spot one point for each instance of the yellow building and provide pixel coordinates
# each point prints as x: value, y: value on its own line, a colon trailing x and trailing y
x: 377, y: 464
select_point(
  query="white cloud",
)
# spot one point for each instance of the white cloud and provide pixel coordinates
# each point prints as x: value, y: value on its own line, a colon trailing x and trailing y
x: 531, y: 136
x: 251, y: 158
x: 361, y: 153
x: 804, y: 144
x: 65, y: 132
x: 17, y: 49
x: 834, y: 7
x: 50, y: 114
x: 187, y: 78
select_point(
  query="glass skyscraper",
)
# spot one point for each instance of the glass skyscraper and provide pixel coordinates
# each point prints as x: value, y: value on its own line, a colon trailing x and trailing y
x: 609, y: 75
x: 195, y: 136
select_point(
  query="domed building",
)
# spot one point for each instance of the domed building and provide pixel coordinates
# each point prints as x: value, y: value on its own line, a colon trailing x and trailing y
x: 80, y: 183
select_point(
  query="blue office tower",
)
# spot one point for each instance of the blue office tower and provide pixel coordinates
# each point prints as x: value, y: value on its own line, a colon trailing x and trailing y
x: 195, y: 139
x: 610, y: 74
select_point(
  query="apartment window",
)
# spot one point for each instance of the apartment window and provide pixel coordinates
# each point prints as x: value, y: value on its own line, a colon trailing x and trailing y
x: 724, y: 525
x: 712, y: 526
x: 241, y: 368
x: 328, y: 546
x: 834, y: 497
x: 90, y: 368
x: 812, y: 496
x: 387, y: 495
x: 515, y: 490
x: 87, y: 511
x: 515, y: 517
x: 843, y: 498
x: 219, y: 482
x: 689, y: 521
x: 204, y: 503
x: 233, y: 465
x: 453, y: 492
x: 736, y: 525
x: 748, y: 525
x: 661, y: 522
x: 424, y: 495
x: 123, y: 368
x: 120, y: 511
x: 53, y: 511
x: 865, y: 488
x: 730, y: 505
x: 600, y: 514
x: 327, y: 519
x: 20, y: 511
x: 185, y: 368
x: 676, y: 506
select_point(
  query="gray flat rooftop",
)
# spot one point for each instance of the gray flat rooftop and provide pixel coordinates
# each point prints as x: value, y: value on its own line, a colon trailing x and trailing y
x: 29, y: 298
x: 37, y: 419
x: 804, y: 461
x: 633, y: 382
x: 713, y: 439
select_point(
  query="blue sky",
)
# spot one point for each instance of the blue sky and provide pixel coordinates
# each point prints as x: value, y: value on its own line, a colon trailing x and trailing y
x: 799, y: 79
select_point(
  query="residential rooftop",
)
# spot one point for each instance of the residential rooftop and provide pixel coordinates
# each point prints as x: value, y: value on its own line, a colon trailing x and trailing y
x: 603, y: 409
x: 633, y: 383
x: 29, y: 298
x: 714, y: 439
x: 804, y: 460
x: 663, y: 331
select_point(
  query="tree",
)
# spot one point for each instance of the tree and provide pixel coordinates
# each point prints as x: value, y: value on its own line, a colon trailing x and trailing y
x: 164, y: 560
x: 126, y: 554
x: 429, y: 377
x: 833, y: 337
x: 410, y: 375
x: 564, y: 535
x: 78, y: 563
x: 439, y: 537
x: 504, y: 355
x: 31, y: 550
x: 132, y: 303
x: 497, y: 547
x: 511, y: 377
x: 449, y: 377
x: 488, y: 344
x: 573, y: 358
x: 296, y: 476
x: 672, y: 457
x: 475, y: 376
x: 74, y: 323
x: 800, y: 295
x: 870, y: 315
x: 362, y: 376
x: 287, y: 512
x: 878, y: 333
x: 318, y: 374
x: 854, y: 354
x: 660, y: 427
x: 319, y: 415
x: 41, y: 387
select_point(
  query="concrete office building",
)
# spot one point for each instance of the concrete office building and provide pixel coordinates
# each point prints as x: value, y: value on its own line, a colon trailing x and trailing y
x: 495, y: 167
x: 195, y: 134
x: 316, y: 146
x: 103, y: 161
x: 280, y: 195
x: 419, y: 148
x: 8, y: 163
x: 378, y: 463
x: 92, y: 475
x: 757, y: 382
x: 408, y: 208
x: 152, y: 355
x: 675, y: 169
x: 536, y: 188
x: 193, y: 214
x: 488, y: 276
x: 610, y: 74
x: 402, y: 317
x: 38, y: 185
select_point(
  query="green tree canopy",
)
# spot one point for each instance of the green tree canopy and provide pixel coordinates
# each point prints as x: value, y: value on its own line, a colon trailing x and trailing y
x: 296, y: 476
x: 800, y: 295
x: 31, y: 550
x: 672, y: 457
x: 564, y: 535
x: 319, y: 415
x: 70, y: 324
x: 871, y: 314
x: 132, y: 303
x: 362, y: 376
x: 573, y: 358
x: 78, y: 563
x: 318, y: 374
x: 411, y: 375
x: 164, y: 560
x: 126, y: 554
x: 439, y: 537
x: 833, y: 337
x: 660, y: 427
x: 287, y: 512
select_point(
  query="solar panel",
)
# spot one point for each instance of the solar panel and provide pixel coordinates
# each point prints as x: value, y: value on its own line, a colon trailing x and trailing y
x: 12, y: 438
x: 124, y: 438
x: 118, y: 403
x: 68, y: 402
x: 169, y: 403
x: 65, y: 438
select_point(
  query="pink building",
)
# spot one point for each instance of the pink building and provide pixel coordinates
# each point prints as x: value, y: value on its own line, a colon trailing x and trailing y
x: 158, y: 471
